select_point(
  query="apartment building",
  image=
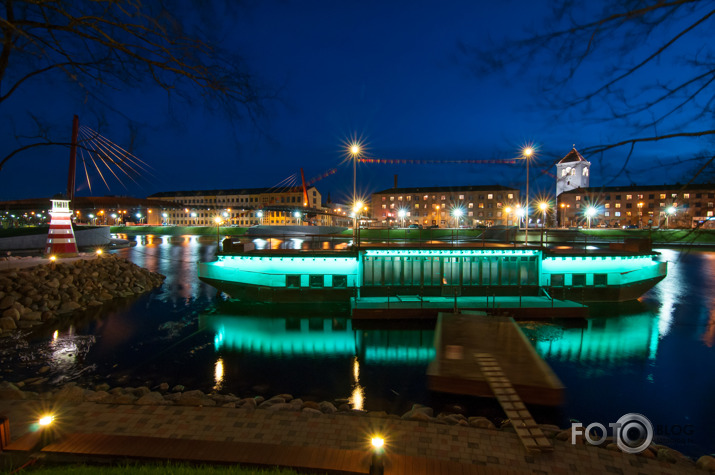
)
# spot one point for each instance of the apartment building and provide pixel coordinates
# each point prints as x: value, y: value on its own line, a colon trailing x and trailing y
x: 445, y: 206
x: 642, y: 206
x: 239, y: 206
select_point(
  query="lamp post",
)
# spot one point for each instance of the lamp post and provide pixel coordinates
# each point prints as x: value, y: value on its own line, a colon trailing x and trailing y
x: 355, y: 152
x: 218, y: 222
x: 543, y: 206
x: 527, y: 153
x: 259, y: 215
x: 668, y: 213
x: 297, y: 216
x: 590, y: 213
x: 507, y: 212
x: 401, y: 214
x: 640, y: 215
x: 356, y: 212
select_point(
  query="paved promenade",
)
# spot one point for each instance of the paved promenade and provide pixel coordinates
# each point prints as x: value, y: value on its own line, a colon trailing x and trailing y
x: 493, y: 451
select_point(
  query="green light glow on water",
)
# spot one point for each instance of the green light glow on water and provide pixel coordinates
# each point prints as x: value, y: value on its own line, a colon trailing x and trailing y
x: 603, y: 340
x: 318, y: 337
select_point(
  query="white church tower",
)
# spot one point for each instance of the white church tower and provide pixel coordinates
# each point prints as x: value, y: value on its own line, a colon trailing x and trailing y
x: 572, y: 172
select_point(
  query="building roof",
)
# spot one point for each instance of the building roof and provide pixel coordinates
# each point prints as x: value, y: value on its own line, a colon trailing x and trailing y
x: 85, y: 202
x: 449, y: 189
x: 573, y: 156
x: 231, y: 191
x: 635, y: 188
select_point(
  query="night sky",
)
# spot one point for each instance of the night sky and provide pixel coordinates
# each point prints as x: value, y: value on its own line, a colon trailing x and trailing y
x: 392, y: 73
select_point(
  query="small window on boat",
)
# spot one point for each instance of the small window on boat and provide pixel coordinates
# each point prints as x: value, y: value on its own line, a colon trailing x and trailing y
x: 317, y: 280
x: 293, y: 324
x: 578, y: 280
x: 315, y: 324
x: 292, y: 281
x: 340, y: 281
x: 600, y: 279
x: 340, y: 324
x: 557, y: 280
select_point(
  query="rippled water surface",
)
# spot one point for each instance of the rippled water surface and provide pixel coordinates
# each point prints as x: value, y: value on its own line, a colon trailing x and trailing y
x: 654, y: 357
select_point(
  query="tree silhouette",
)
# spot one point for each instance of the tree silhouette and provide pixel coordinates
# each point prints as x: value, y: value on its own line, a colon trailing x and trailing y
x: 99, y: 46
x: 654, y: 60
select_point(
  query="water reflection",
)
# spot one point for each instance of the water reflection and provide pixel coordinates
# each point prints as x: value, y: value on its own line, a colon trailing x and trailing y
x: 218, y: 375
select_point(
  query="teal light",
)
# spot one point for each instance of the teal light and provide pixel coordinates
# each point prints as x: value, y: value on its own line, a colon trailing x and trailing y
x: 609, y: 341
x: 302, y: 337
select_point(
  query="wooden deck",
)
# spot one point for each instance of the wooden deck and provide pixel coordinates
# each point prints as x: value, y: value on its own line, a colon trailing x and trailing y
x: 460, y: 338
x: 328, y: 460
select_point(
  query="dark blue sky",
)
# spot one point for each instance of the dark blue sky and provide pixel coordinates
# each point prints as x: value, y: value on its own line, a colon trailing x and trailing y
x: 390, y: 72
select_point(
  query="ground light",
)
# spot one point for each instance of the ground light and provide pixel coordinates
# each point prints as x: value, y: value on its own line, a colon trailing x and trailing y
x: 46, y: 420
x: 376, y: 464
x: 99, y: 252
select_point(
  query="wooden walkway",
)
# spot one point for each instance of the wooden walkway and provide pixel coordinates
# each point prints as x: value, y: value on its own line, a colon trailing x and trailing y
x: 455, y: 369
x: 329, y: 460
x: 524, y: 424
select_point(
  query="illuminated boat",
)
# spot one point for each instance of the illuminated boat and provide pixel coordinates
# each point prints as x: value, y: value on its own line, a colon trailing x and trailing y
x: 335, y: 276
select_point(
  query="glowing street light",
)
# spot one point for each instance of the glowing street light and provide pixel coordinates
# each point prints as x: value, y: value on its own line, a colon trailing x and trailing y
x: 259, y: 215
x: 668, y: 213
x: 527, y: 153
x: 590, y: 213
x: 355, y: 152
x: 401, y: 214
x: 543, y: 206
x: 378, y: 448
x: 297, y: 216
x: 457, y: 213
x: 357, y: 207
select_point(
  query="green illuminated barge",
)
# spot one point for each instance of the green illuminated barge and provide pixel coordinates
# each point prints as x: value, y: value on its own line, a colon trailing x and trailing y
x: 335, y: 276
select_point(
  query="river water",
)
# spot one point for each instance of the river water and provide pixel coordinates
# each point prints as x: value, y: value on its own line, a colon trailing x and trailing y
x: 655, y: 356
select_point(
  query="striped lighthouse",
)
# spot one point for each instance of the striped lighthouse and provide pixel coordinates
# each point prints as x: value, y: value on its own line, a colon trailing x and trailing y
x: 60, y: 240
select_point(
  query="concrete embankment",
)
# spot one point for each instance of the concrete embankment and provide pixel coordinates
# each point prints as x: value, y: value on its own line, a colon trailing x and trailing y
x: 31, y: 296
x: 93, y: 237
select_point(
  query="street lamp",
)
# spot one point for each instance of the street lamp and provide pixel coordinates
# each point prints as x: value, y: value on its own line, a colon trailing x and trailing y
x: 259, y: 215
x: 563, y: 214
x: 296, y: 215
x: 520, y: 212
x: 527, y: 153
x: 356, y: 211
x: 668, y: 213
x: 355, y: 152
x: 218, y: 222
x: 457, y: 213
x: 401, y: 214
x: 543, y: 206
x: 640, y: 215
x: 507, y: 212
x: 590, y: 213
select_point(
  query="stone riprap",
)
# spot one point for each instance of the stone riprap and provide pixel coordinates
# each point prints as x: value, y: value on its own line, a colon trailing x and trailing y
x: 32, y: 296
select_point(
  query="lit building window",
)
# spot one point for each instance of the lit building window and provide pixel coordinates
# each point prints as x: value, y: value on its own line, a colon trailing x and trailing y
x: 471, y: 205
x: 578, y: 197
x: 629, y: 197
x: 585, y: 172
x: 443, y: 198
x: 490, y: 196
x: 686, y: 195
x: 607, y: 205
x: 618, y: 205
x: 510, y: 196
x: 607, y: 213
x: 618, y: 213
x: 662, y: 196
x: 461, y: 197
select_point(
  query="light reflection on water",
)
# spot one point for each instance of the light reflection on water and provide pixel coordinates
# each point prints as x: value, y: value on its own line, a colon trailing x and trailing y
x: 655, y: 357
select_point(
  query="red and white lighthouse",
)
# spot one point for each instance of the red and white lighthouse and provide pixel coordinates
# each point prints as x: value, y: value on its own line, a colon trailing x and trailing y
x: 60, y: 240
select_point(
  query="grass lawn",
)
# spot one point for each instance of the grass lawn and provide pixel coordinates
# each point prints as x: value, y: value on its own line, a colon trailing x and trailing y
x: 153, y: 469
